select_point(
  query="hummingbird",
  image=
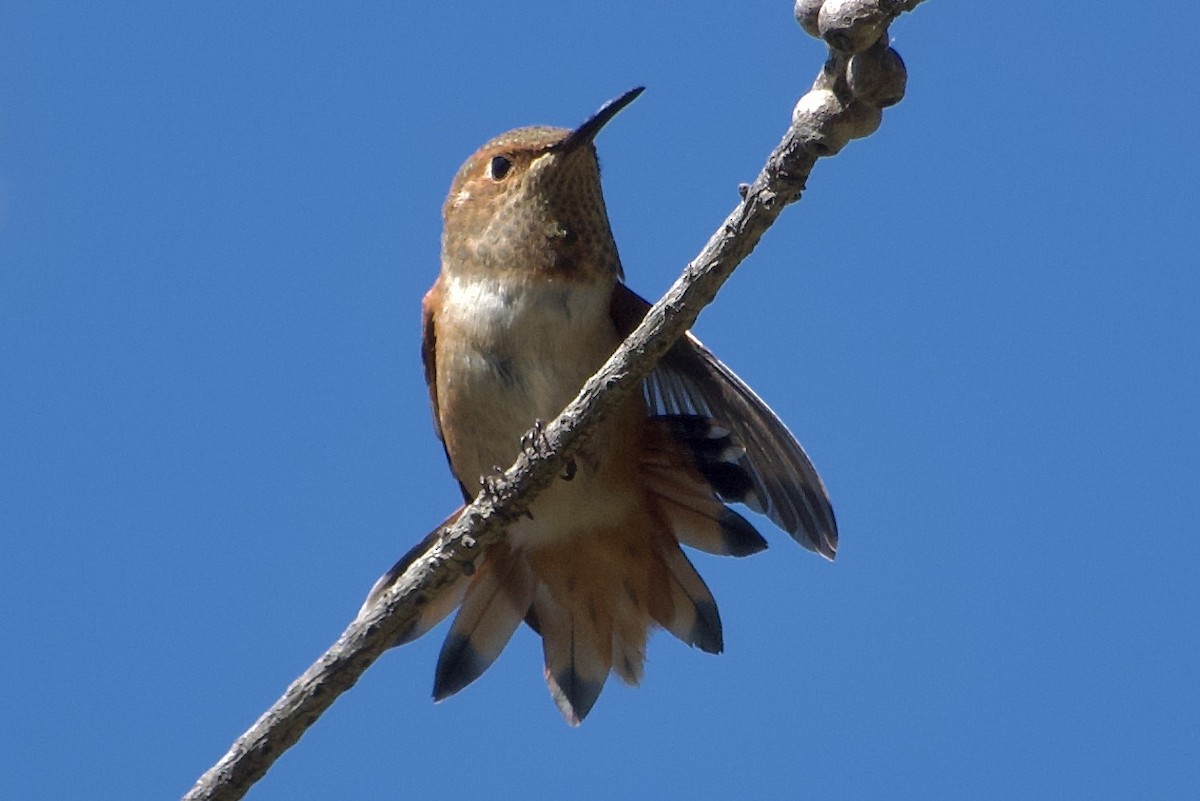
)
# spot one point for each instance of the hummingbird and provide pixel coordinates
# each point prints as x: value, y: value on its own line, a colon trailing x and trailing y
x: 529, y: 303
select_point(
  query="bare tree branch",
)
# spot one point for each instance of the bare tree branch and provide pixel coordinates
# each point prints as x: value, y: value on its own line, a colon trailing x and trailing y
x: 781, y: 182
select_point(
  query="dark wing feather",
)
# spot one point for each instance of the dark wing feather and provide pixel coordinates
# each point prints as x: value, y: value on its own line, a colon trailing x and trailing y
x: 691, y: 380
x: 430, y: 302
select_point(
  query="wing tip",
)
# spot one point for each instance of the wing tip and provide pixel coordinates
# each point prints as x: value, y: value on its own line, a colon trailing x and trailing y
x: 824, y: 543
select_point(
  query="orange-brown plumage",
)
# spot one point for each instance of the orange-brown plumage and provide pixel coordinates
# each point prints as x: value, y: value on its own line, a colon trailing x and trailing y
x: 527, y: 306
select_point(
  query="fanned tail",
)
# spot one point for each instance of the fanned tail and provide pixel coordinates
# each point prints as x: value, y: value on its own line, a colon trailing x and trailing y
x: 601, y: 592
x: 595, y: 593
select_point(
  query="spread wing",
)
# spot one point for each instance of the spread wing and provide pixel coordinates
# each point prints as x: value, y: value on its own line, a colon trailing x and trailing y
x: 430, y: 302
x: 690, y: 380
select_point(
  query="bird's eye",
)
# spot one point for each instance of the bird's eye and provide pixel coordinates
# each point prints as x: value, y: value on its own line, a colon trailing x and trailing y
x: 498, y: 167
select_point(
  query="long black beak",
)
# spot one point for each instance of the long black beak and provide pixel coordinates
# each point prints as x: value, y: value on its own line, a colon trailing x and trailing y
x: 587, y: 132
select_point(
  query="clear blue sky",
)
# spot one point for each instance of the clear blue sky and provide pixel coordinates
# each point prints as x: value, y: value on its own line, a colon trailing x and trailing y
x: 216, y: 224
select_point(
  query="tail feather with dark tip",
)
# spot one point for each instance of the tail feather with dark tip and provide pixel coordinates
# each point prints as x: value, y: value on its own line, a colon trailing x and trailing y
x: 694, y: 618
x: 496, y: 601
x: 578, y: 653
x: 691, y: 468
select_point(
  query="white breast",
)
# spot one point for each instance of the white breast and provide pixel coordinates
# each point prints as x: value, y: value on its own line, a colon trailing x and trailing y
x: 539, y: 340
x: 508, y: 355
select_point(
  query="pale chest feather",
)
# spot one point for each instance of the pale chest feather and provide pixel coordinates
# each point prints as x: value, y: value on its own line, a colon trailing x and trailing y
x: 507, y: 356
x: 510, y: 353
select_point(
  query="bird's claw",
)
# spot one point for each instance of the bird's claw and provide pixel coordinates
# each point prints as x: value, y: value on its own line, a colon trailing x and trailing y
x: 533, y: 441
x: 491, y: 483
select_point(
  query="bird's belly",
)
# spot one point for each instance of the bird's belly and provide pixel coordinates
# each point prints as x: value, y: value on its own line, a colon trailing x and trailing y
x: 504, y: 364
